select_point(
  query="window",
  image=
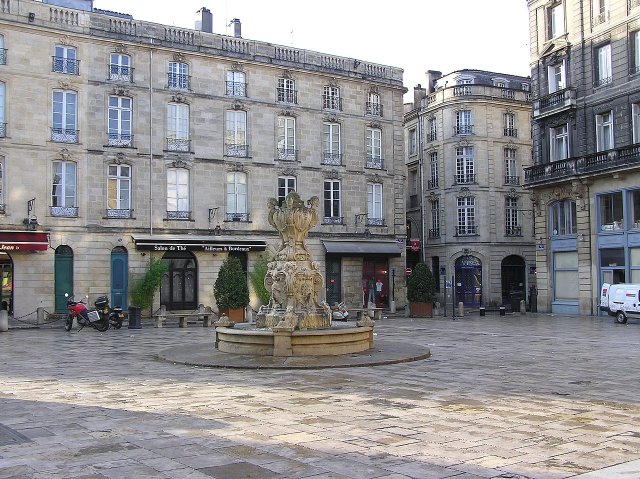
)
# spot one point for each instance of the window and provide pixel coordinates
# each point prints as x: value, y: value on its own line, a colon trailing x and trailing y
x: 563, y: 218
x: 374, y: 149
x: 435, y: 219
x: 286, y: 138
x: 178, y: 194
x: 466, y: 216
x: 433, y: 162
x: 465, y: 165
x: 556, y: 77
x: 635, y: 207
x: 373, y: 107
x: 331, y: 98
x: 2, y: 191
x: 63, y: 191
x: 555, y: 20
x: 3, y: 51
x: 286, y: 184
x: 611, y: 212
x: 119, y: 133
x: 463, y: 123
x: 565, y: 275
x: 511, y: 223
x: 178, y: 77
x: 603, y: 65
x: 119, y: 191
x: 510, y: 167
x: 178, y: 127
x: 3, y: 123
x: 286, y: 92
x: 236, y: 84
x: 237, y: 196
x: 413, y: 142
x: 433, y: 129
x: 374, y: 204
x: 604, y: 131
x: 413, y: 182
x: 65, y: 61
x: 510, y: 125
x: 634, y: 264
x: 559, y: 147
x: 331, y: 150
x: 526, y: 87
x: 635, y: 112
x: 332, y: 205
x: 120, y: 68
x: 462, y: 86
x: 600, y: 11
x: 635, y: 52
x: 236, y: 134
x: 64, y: 128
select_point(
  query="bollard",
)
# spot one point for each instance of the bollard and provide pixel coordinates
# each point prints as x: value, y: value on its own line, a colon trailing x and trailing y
x: 461, y: 309
x: 40, y: 315
x: 523, y: 307
x: 4, y: 321
x: 482, y: 310
x: 502, y: 310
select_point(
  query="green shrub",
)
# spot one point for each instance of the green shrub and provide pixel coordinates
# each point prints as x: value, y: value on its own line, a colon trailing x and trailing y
x: 257, y: 277
x: 421, y: 286
x: 230, y: 288
x: 144, y: 288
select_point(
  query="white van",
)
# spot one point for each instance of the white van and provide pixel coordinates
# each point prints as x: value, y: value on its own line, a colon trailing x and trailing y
x: 620, y: 300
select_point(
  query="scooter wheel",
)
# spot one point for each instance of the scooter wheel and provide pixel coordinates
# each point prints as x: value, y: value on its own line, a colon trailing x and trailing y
x: 68, y: 323
x: 117, y: 324
x: 102, y: 325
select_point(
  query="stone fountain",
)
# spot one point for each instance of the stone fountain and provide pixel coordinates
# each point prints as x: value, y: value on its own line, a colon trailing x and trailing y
x: 294, y: 323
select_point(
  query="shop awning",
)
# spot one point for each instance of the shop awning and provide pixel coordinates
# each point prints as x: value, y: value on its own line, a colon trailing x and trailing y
x: 196, y: 243
x: 363, y: 248
x: 23, y: 241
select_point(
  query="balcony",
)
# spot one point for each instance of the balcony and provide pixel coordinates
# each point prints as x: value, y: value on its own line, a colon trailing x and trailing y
x: 235, y: 88
x: 120, y: 73
x: 465, y: 179
x: 285, y: 95
x: 178, y: 81
x: 179, y: 215
x: 3, y: 56
x: 374, y: 163
x: 462, y: 90
x: 374, y: 221
x: 286, y: 154
x: 333, y: 220
x: 600, y: 19
x: 463, y: 130
x: 602, y: 82
x: 511, y: 132
x: 235, y: 150
x: 595, y: 164
x: 332, y: 159
x: 64, y: 211
x: 179, y: 144
x: 237, y: 217
x: 63, y: 135
x: 432, y: 184
x: 120, y: 213
x: 467, y: 230
x: 434, y: 233
x: 66, y: 66
x: 508, y: 94
x: 432, y: 136
x: 511, y: 180
x: 513, y: 231
x: 120, y: 140
x: 3, y: 130
x: 554, y: 103
x: 374, y: 109
x: 330, y: 102
x: 414, y: 201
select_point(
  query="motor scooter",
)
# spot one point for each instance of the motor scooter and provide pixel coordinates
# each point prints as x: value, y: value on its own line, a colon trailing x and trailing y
x: 115, y: 316
x: 78, y: 310
x: 339, y: 312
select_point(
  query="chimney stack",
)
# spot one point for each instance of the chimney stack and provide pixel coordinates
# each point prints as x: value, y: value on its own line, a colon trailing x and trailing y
x: 237, y: 28
x: 432, y: 77
x: 418, y: 94
x: 205, y: 22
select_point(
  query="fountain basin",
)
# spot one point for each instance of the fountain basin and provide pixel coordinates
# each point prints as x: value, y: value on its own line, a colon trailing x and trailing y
x: 247, y: 339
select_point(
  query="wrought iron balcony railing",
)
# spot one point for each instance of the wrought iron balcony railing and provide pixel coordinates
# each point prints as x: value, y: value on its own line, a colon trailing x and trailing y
x: 634, y: 69
x: 235, y: 88
x: 3, y: 56
x: 465, y: 179
x: 238, y: 151
x: 120, y: 213
x: 66, y: 65
x: 178, y: 144
x: 554, y: 103
x: 466, y: 230
x: 434, y: 233
x: 63, y: 135
x: 285, y: 95
x: 330, y: 102
x: 238, y: 217
x: 374, y: 221
x: 64, y: 211
x: 120, y: 73
x: 600, y: 82
x: 375, y: 163
x: 332, y: 159
x: 286, y: 154
x: 333, y: 220
x: 463, y: 130
x: 179, y: 215
x: 512, y: 132
x: 3, y: 130
x: 178, y: 81
x: 511, y: 180
x: 513, y: 231
x: 122, y: 140
x: 432, y: 184
x: 432, y: 136
x: 374, y: 109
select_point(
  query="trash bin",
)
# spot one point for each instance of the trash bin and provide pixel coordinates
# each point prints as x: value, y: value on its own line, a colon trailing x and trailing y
x: 515, y: 296
x: 134, y: 318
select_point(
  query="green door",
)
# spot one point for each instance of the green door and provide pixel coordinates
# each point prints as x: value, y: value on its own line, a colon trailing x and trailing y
x: 63, y: 276
x: 119, y: 273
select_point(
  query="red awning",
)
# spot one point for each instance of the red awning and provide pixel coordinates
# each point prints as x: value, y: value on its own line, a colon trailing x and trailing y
x: 23, y: 241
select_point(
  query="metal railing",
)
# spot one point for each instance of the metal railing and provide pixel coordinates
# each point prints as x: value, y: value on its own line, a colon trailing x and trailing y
x: 467, y: 230
x: 512, y: 132
x: 463, y: 130
x: 374, y: 221
x: 66, y: 65
x: 119, y: 213
x: 372, y: 108
x: 431, y: 136
x: 511, y: 180
x: 432, y: 184
x: 178, y: 81
x: 286, y: 154
x: 465, y: 179
x: 374, y: 163
x: 554, y: 102
x: 330, y: 102
x: 178, y: 144
x: 63, y: 135
x: 178, y: 215
x: 235, y: 88
x: 3, y: 56
x: 332, y: 159
x: 238, y: 217
x: 286, y: 95
x: 3, y: 130
x: 513, y: 231
x: 333, y: 220
x: 120, y: 73
x: 122, y: 140
x: 434, y: 233
x: 508, y: 94
x: 600, y: 82
x: 235, y: 150
x: 64, y: 211
x: 462, y: 90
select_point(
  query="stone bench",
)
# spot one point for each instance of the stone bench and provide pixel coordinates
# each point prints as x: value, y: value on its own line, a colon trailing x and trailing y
x: 202, y: 314
x: 377, y: 312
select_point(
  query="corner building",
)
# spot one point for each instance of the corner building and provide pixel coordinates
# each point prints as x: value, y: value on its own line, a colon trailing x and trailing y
x: 585, y: 61
x: 123, y: 140
x: 468, y: 216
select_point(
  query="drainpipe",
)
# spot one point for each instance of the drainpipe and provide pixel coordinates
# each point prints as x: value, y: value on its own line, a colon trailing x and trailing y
x: 151, y: 139
x: 422, y: 199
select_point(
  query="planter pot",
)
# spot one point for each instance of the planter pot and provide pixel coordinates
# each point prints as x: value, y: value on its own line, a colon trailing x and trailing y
x: 421, y: 310
x: 236, y: 315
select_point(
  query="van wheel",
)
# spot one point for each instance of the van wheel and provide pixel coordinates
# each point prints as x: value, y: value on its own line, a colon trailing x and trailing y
x: 620, y: 317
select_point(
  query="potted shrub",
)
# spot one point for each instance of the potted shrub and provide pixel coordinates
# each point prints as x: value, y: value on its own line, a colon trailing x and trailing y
x: 231, y: 291
x: 144, y: 289
x: 421, y: 289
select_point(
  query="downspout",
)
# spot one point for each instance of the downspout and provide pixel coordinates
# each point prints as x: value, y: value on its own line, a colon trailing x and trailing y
x: 151, y: 139
x: 422, y: 199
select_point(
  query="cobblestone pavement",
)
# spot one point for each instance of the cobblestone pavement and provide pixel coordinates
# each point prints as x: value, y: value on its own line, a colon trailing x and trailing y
x: 534, y: 396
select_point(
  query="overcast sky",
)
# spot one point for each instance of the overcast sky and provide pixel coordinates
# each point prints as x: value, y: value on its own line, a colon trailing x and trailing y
x: 415, y: 35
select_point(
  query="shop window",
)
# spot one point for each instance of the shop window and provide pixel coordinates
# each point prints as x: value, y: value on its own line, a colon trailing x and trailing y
x: 565, y: 275
x: 611, y: 212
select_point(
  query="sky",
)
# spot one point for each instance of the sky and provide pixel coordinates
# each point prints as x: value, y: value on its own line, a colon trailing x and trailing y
x: 415, y: 35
